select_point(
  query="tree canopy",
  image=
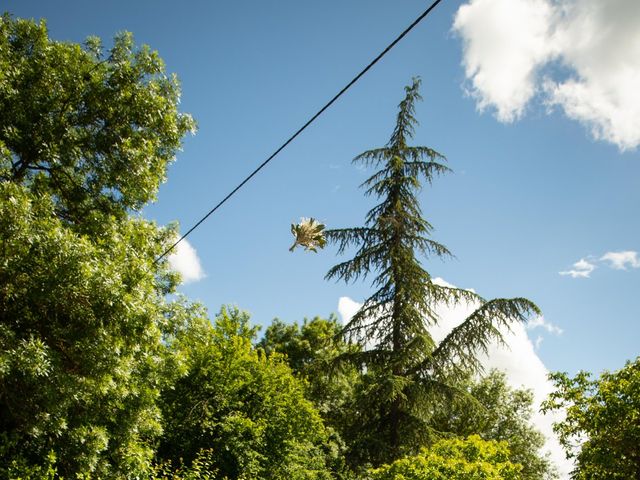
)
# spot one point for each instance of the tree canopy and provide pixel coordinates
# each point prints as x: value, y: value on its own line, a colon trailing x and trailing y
x: 454, y: 459
x: 495, y: 411
x: 310, y: 350
x: 105, y: 372
x: 85, y: 137
x: 601, y: 431
x: 244, y: 406
x: 93, y: 129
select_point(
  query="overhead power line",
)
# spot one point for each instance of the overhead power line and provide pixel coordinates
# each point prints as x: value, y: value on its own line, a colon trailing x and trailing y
x: 301, y: 129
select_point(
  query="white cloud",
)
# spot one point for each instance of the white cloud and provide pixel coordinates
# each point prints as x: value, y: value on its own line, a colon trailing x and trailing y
x: 581, y: 269
x: 518, y: 360
x: 540, y: 322
x: 504, y: 42
x: 184, y: 260
x: 347, y: 308
x: 620, y: 260
x: 616, y: 260
x: 509, y: 46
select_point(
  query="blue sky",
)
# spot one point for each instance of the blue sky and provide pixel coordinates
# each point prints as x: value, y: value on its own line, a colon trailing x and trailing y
x: 534, y: 107
x: 526, y: 200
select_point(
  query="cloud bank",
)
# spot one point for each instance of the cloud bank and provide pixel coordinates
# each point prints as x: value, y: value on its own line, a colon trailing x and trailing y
x: 582, y: 56
x: 518, y: 360
x: 184, y: 260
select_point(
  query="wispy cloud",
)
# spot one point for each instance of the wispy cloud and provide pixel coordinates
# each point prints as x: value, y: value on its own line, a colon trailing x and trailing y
x: 511, y: 49
x: 184, y: 260
x: 581, y: 269
x: 616, y: 260
x: 622, y: 260
x: 540, y: 322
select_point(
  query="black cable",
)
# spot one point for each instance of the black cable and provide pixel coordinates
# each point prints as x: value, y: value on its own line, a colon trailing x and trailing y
x: 301, y: 129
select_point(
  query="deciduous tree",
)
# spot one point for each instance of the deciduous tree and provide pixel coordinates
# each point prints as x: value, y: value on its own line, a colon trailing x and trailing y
x: 454, y: 459
x: 85, y: 138
x: 495, y: 411
x: 246, y: 407
x: 94, y: 130
x: 601, y: 430
x: 310, y: 350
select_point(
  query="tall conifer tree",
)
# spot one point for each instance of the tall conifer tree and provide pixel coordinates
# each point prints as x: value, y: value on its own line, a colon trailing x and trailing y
x: 405, y: 370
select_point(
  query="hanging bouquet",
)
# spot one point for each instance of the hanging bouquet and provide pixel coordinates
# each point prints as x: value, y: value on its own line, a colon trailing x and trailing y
x: 309, y: 233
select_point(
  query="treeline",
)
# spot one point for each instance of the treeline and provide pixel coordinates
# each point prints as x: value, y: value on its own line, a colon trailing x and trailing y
x: 105, y: 372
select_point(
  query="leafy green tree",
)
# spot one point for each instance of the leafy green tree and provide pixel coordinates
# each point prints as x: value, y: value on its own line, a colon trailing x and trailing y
x: 81, y: 353
x: 404, y: 367
x: 454, y: 459
x: 601, y: 431
x: 85, y: 138
x: 93, y: 130
x: 246, y: 407
x: 310, y: 350
x: 304, y: 345
x: 201, y: 468
x: 495, y: 411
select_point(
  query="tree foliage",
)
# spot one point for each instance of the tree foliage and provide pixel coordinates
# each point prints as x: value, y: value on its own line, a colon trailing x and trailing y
x: 601, y: 430
x: 93, y: 129
x: 495, y: 411
x: 454, y: 459
x: 310, y: 350
x: 307, y: 345
x: 404, y: 366
x: 81, y: 323
x: 200, y: 468
x: 246, y: 407
x: 84, y: 138
x: 104, y: 373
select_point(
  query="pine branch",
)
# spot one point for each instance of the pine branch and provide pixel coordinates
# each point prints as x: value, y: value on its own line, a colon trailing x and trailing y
x: 359, y: 266
x: 429, y: 247
x: 374, y: 157
x: 433, y: 395
x: 458, y: 352
x: 451, y: 296
x: 369, y: 324
x: 347, y: 237
x: 363, y: 358
x: 428, y: 170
